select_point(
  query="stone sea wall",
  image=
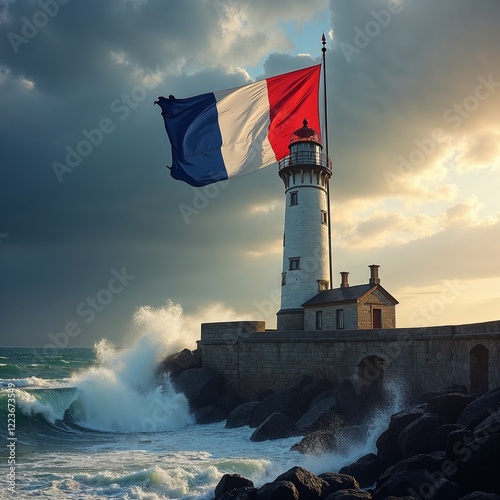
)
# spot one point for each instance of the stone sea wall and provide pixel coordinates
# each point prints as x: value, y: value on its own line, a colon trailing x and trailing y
x: 426, y: 359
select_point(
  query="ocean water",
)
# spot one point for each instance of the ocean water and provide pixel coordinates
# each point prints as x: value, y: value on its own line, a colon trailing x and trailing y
x: 97, y: 423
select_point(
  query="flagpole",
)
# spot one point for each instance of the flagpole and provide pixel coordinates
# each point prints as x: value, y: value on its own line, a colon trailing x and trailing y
x: 325, y: 140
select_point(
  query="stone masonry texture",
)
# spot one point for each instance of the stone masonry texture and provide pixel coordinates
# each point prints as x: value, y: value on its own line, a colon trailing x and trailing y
x: 424, y: 359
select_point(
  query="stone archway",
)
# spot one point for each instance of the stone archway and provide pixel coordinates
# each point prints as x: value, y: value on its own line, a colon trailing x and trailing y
x: 371, y: 376
x: 479, y: 367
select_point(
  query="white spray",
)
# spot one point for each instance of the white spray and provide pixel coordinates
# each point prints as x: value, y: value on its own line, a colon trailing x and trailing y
x: 121, y: 393
x: 395, y: 398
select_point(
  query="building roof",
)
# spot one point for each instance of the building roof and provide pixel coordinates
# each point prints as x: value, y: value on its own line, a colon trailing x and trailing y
x: 347, y: 294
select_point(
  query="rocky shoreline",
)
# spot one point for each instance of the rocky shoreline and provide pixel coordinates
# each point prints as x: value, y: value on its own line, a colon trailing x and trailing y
x: 442, y: 446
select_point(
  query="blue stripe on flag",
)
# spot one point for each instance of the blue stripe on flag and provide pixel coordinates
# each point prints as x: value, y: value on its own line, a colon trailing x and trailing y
x: 194, y: 133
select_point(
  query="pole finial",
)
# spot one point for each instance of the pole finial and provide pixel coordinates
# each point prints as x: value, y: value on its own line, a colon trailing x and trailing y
x: 323, y: 42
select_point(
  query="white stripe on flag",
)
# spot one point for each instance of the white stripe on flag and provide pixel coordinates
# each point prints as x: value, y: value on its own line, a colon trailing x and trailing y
x: 244, y: 123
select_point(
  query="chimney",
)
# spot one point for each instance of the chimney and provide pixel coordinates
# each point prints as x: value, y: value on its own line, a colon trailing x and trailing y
x: 374, y: 279
x: 345, y: 279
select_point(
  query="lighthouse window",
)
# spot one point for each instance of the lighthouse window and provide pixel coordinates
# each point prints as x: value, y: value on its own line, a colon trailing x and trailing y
x: 294, y: 198
x: 324, y: 218
x: 283, y: 279
x: 294, y: 263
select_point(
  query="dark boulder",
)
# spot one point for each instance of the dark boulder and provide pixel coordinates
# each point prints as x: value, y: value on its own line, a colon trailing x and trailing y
x: 276, y: 426
x: 354, y: 435
x: 490, y: 425
x: 171, y: 367
x: 387, y: 448
x: 316, y: 387
x: 415, y: 438
x: 230, y: 482
x: 228, y: 403
x: 366, y: 470
x: 478, y: 462
x: 181, y: 361
x: 478, y: 475
x: 456, y: 388
x: 440, y: 436
x: 480, y: 495
x: 449, y: 405
x: 404, y: 417
x: 241, y: 415
x: 406, y: 497
x: 348, y: 400
x: 350, y: 495
x: 480, y: 409
x: 337, y: 481
x: 278, y: 490
x: 246, y: 493
x: 209, y: 415
x: 455, y: 442
x: 201, y: 386
x: 299, y: 383
x: 431, y: 463
x: 290, y: 403
x: 338, y: 439
x: 426, y: 397
x: 309, y: 486
x: 189, y: 359
x: 329, y: 393
x: 443, y: 489
x: 416, y: 483
x: 387, y: 443
x: 321, y: 415
x: 485, y: 448
x: 317, y: 443
x: 262, y: 394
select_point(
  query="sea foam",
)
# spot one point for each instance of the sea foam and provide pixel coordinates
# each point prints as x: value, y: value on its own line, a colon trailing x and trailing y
x: 122, y: 391
x: 50, y: 403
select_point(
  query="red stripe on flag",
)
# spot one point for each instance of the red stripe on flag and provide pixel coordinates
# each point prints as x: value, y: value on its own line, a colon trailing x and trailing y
x: 292, y: 97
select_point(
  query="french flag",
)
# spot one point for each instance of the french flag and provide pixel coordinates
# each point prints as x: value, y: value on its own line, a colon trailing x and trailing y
x: 228, y: 133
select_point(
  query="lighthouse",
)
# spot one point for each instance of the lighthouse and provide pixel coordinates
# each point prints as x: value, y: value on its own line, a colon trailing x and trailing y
x: 306, y: 173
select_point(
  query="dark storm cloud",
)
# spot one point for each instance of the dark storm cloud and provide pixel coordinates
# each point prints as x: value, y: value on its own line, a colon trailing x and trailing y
x: 118, y: 206
x: 98, y: 65
x: 73, y: 48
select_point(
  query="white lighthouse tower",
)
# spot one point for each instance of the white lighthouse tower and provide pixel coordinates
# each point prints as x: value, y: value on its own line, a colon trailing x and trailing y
x: 306, y: 172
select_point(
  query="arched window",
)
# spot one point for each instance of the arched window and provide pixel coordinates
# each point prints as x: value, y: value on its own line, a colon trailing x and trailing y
x: 371, y: 376
x: 479, y: 366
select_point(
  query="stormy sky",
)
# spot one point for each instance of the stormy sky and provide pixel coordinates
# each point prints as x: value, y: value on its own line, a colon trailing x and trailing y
x: 92, y: 227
